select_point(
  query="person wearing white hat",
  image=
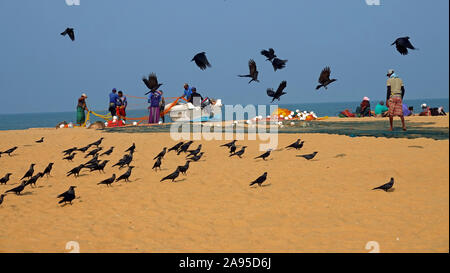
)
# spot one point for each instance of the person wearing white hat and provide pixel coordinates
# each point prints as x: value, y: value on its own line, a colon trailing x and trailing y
x: 394, y: 98
x: 425, y: 110
x: 81, y: 107
x: 363, y: 110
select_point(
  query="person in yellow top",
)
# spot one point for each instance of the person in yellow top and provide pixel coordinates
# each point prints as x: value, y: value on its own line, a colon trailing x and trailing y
x: 394, y: 98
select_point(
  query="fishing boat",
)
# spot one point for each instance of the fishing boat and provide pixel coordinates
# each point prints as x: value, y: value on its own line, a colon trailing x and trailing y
x: 205, y: 111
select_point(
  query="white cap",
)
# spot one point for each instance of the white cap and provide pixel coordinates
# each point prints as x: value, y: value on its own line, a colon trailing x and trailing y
x: 423, y: 105
x: 84, y: 95
x: 390, y: 71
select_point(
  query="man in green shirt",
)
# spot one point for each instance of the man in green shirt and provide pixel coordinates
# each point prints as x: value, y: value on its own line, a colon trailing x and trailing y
x: 381, y: 109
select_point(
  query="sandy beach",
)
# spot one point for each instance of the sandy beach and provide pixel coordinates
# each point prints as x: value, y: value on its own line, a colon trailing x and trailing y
x: 322, y: 205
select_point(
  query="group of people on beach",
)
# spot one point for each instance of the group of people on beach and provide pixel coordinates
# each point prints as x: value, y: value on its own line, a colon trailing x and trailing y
x: 118, y: 104
x: 394, y: 104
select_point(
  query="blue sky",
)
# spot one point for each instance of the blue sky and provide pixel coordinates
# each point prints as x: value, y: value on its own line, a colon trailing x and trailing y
x: 120, y: 41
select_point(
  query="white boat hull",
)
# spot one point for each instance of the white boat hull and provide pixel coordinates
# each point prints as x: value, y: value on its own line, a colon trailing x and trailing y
x: 189, y: 112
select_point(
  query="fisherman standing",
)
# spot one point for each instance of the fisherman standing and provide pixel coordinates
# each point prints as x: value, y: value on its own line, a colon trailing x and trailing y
x: 187, y: 92
x: 394, y: 98
x: 112, y: 102
x: 81, y: 107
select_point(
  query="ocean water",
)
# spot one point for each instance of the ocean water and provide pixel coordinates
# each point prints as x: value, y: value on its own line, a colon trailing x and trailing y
x: 49, y: 120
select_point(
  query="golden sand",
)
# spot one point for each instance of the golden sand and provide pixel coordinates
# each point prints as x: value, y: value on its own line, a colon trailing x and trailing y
x: 323, y: 205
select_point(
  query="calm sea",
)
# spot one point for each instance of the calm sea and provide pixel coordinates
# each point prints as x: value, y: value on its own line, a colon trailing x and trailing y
x: 47, y: 120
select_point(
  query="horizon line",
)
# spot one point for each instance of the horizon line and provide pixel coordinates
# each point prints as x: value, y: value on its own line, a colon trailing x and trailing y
x: 55, y: 112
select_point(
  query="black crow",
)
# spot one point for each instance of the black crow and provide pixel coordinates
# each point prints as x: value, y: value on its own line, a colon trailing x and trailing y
x: 278, y: 64
x: 67, y: 196
x: 240, y: 152
x: 233, y: 149
x: 161, y: 154
x: 34, y: 179
x: 309, y: 156
x: 264, y: 155
x: 296, y: 145
x: 259, y: 180
x: 10, y: 151
x: 97, y: 143
x: 402, y: 44
x: 151, y: 83
x: 40, y: 140
x: 201, y: 61
x: 5, y: 178
x: 324, y: 78
x: 386, y: 186
x: 228, y: 145
x: 93, y: 161
x: 108, y: 152
x: 195, y: 152
x: 185, y: 147
x: 69, y: 151
x: 30, y: 172
x: 48, y: 169
x: 277, y: 95
x: 69, y: 157
x: 196, y: 158
x: 75, y: 171
x: 94, y: 152
x: 69, y: 31
x: 108, y: 181
x: 84, y: 149
x: 157, y: 164
x: 131, y: 149
x: 183, y: 169
x: 176, y: 147
x: 172, y: 176
x: 17, y: 190
x: 99, y: 167
x: 253, y: 71
x: 126, y: 160
x: 269, y: 54
x: 126, y: 175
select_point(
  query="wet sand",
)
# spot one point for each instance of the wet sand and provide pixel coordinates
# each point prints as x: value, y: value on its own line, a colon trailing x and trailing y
x: 322, y: 205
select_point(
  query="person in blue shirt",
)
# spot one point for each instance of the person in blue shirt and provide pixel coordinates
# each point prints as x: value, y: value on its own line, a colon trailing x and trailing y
x: 187, y: 92
x: 112, y: 102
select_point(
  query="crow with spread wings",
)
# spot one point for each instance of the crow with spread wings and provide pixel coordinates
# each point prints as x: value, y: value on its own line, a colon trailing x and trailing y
x: 151, y: 82
x: 253, y: 71
x: 324, y: 78
x: 278, y: 93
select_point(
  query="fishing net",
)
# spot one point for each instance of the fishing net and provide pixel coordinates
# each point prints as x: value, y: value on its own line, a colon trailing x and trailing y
x: 348, y: 128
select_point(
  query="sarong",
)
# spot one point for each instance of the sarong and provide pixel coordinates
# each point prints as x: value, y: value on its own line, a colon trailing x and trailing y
x: 153, y: 117
x: 80, y: 115
x: 395, y: 106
